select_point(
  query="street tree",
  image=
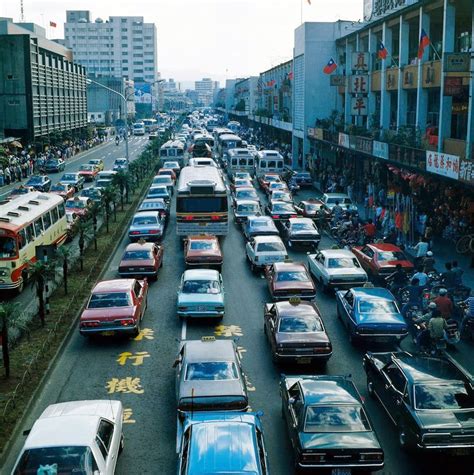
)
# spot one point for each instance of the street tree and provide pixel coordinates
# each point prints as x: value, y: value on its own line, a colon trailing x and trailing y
x: 85, y: 231
x: 64, y: 255
x: 9, y: 320
x: 40, y: 273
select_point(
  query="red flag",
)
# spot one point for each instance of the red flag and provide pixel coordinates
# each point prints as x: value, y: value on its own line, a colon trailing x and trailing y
x: 290, y: 76
x: 330, y: 67
x: 382, y: 52
x: 53, y: 24
x: 424, y: 42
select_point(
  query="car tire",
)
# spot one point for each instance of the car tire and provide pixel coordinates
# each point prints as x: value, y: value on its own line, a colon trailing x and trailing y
x: 122, y: 444
x: 370, y: 388
x: 403, y: 439
x: 252, y: 267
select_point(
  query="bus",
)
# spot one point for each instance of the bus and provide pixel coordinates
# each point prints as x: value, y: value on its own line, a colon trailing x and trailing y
x: 31, y: 220
x: 234, y: 126
x: 150, y: 125
x: 240, y: 160
x: 173, y: 149
x: 268, y: 161
x: 202, y: 146
x: 201, y: 202
x: 227, y: 142
x: 138, y: 128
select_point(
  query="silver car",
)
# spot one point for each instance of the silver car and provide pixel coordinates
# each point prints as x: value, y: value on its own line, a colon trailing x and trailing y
x: 148, y: 225
x: 201, y: 294
x: 245, y: 208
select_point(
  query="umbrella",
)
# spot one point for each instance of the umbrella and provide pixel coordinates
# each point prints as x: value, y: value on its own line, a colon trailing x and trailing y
x: 16, y: 144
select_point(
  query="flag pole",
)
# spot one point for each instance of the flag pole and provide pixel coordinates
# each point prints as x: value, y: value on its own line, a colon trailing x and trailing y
x: 435, y: 52
x: 301, y: 11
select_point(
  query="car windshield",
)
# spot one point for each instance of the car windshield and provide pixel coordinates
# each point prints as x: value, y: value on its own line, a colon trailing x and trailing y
x: 260, y: 224
x: 201, y: 287
x: 455, y: 395
x: 340, y: 418
x: 121, y: 161
x: 276, y: 185
x: 144, y: 220
x: 272, y: 178
x: 136, y: 255
x: 211, y: 371
x: 68, y: 176
x: 377, y: 306
x: 292, y: 276
x: 245, y: 194
x: 391, y: 256
x: 75, y: 204
x: 87, y: 167
x: 312, y: 208
x: 282, y: 207
x: 160, y: 190
x: 90, y: 192
x: 162, y: 179
x: 171, y: 165
x: 342, y: 263
x: 299, y: 325
x: 35, y: 180
x: 271, y: 247
x: 202, y: 245
x: 342, y: 201
x: 56, y: 461
x: 249, y: 208
x: 109, y: 299
x: 302, y: 227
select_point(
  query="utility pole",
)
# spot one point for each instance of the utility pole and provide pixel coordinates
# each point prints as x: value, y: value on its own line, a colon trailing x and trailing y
x: 22, y: 12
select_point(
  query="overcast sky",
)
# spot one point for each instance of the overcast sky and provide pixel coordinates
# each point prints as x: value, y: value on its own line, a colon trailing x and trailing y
x: 203, y: 38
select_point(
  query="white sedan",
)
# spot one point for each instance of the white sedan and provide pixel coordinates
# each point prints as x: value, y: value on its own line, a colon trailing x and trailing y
x: 74, y: 437
x: 264, y: 251
x: 336, y: 268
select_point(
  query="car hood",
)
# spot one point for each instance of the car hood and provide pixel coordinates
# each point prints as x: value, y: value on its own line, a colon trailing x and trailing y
x: 305, y: 232
x: 110, y: 313
x: 199, y: 299
x: 329, y: 441
x: 446, y: 419
x: 316, y: 337
x: 294, y: 285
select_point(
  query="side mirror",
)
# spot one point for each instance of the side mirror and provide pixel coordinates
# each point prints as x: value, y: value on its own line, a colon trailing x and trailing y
x: 26, y: 432
x: 177, y: 361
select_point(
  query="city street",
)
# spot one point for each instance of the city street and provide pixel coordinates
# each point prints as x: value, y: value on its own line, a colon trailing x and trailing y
x: 144, y: 380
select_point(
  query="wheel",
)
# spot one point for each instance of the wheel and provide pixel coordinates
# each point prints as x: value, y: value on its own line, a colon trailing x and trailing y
x: 252, y: 267
x: 122, y: 444
x: 463, y: 244
x: 403, y: 439
x: 370, y: 388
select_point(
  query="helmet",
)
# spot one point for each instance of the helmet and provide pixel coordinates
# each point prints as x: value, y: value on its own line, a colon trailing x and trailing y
x: 432, y: 305
x: 429, y: 254
x: 443, y: 291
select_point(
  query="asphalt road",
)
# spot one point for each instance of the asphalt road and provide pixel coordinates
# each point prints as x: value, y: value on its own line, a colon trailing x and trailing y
x: 91, y: 369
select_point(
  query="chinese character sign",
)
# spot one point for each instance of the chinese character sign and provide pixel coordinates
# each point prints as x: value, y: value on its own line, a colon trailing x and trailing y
x: 359, y: 106
x: 360, y: 61
x: 466, y: 171
x: 442, y: 164
x: 359, y: 84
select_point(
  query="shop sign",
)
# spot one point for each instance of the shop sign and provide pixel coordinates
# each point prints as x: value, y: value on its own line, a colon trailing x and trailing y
x: 311, y: 132
x: 319, y: 134
x: 374, y: 9
x: 380, y: 149
x: 359, y: 84
x: 466, y: 171
x: 457, y: 62
x: 360, y: 61
x: 359, y: 106
x: 338, y: 80
x: 363, y: 144
x: 442, y: 164
x: 343, y: 140
x: 452, y: 86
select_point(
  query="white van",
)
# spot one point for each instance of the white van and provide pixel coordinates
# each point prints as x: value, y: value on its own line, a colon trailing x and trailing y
x: 240, y: 159
x: 268, y: 161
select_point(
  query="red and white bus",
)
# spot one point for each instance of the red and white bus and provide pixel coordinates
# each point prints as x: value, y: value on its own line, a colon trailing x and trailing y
x: 34, y: 219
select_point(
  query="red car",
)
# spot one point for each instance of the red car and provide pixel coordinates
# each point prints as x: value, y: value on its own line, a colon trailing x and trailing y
x: 64, y: 190
x: 380, y: 260
x: 266, y: 178
x: 202, y: 251
x: 141, y: 259
x: 115, y: 307
x: 289, y: 279
x: 309, y: 208
x: 79, y: 205
x: 167, y: 171
x: 89, y: 171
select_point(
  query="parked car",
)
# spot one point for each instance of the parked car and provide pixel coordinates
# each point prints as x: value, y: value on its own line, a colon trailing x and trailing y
x: 39, y: 182
x: 280, y: 211
x: 289, y: 279
x: 228, y: 430
x: 209, y: 377
x: 328, y: 425
x: 70, y: 437
x: 203, y: 250
x: 245, y: 208
x: 371, y: 315
x: 296, y: 333
x: 141, y: 259
x: 263, y: 251
x: 259, y: 226
x: 79, y: 205
x: 380, y: 260
x: 301, y: 232
x: 98, y: 162
x: 430, y: 399
x: 89, y: 171
x: 336, y: 269
x: 201, y: 294
x: 148, y: 225
x: 63, y: 189
x: 159, y: 192
x: 115, y: 307
x: 53, y: 165
x: 74, y: 179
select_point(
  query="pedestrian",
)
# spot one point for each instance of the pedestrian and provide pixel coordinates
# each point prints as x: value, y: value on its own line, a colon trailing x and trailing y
x: 420, y: 249
x: 449, y: 277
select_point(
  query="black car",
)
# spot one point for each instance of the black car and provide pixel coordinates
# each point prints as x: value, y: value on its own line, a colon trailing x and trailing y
x: 430, y: 399
x: 328, y: 425
x: 54, y: 165
x: 301, y: 232
x: 39, y: 182
x: 281, y: 211
x: 303, y: 178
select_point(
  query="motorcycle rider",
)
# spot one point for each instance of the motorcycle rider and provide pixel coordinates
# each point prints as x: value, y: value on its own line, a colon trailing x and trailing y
x: 449, y: 277
x: 369, y: 230
x: 428, y: 262
x: 421, y: 339
x: 117, y: 140
x: 421, y: 276
x: 415, y: 293
x: 437, y: 327
x: 444, y: 304
x: 337, y: 213
x: 397, y: 280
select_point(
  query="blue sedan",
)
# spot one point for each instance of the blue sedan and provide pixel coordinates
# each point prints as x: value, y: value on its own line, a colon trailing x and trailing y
x: 371, y: 315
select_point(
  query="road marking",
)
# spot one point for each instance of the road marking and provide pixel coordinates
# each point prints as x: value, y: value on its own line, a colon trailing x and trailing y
x: 127, y: 416
x: 184, y: 327
x: 138, y: 357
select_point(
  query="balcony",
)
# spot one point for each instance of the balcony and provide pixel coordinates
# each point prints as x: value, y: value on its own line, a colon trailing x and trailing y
x: 391, y: 79
x: 455, y: 147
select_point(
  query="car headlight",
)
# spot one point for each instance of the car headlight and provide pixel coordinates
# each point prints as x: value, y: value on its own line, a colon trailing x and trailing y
x: 4, y: 272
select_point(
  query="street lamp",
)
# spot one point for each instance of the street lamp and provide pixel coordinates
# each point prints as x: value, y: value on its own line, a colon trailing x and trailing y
x: 125, y: 99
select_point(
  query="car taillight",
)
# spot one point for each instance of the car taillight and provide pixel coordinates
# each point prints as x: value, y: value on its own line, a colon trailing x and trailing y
x: 276, y: 216
x: 135, y: 232
x: 153, y: 231
x: 90, y: 324
x: 126, y: 323
x: 215, y: 218
x: 188, y: 218
x: 293, y: 216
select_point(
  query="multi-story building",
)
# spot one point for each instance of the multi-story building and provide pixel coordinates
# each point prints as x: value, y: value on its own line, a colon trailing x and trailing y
x: 42, y: 90
x: 120, y: 47
x: 247, y: 95
x: 205, y: 91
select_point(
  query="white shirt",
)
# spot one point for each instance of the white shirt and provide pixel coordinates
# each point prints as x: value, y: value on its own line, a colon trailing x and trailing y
x: 421, y: 249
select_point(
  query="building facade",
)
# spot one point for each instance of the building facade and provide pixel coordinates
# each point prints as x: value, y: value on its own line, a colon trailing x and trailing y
x: 205, y: 91
x: 43, y: 90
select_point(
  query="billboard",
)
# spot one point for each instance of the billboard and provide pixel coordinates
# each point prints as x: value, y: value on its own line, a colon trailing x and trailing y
x: 375, y: 9
x: 142, y: 93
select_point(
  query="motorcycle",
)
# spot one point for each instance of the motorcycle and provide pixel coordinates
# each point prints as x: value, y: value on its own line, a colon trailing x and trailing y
x: 117, y: 141
x: 293, y: 187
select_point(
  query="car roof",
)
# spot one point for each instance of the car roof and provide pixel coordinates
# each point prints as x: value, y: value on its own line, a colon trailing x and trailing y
x: 384, y: 247
x: 259, y: 239
x: 115, y: 285
x: 329, y: 390
x: 336, y: 195
x: 201, y: 274
x: 71, y: 423
x: 312, y: 201
x: 209, y: 350
x: 301, y: 220
x: 140, y: 246
x: 251, y: 219
x: 337, y: 253
x: 288, y: 266
x: 247, y: 202
x: 374, y: 292
x: 302, y: 309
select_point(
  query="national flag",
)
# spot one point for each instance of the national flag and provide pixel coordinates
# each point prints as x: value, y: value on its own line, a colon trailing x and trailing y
x: 290, y: 76
x: 424, y: 42
x: 382, y: 52
x: 330, y: 67
x: 52, y: 24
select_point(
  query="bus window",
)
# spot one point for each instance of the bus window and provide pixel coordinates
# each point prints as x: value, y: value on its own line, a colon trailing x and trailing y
x: 263, y: 164
x: 22, y: 239
x: 7, y: 246
x: 62, y: 210
x: 30, y: 233
x: 38, y: 226
x: 47, y: 220
x: 180, y: 152
x: 234, y: 162
x: 163, y: 153
x: 250, y: 162
x: 279, y: 164
x: 243, y: 162
x: 55, y: 214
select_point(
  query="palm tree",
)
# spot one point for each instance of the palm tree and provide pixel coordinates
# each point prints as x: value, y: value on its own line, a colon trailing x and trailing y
x: 64, y: 255
x: 123, y: 182
x: 94, y: 212
x: 41, y: 273
x: 109, y: 196
x: 9, y: 319
x: 84, y: 229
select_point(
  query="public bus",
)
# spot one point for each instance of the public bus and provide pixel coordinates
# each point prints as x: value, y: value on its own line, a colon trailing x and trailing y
x: 138, y: 128
x: 31, y: 220
x: 201, y: 202
x: 240, y: 160
x: 234, y: 126
x: 268, y: 161
x: 227, y: 142
x: 173, y: 149
x: 150, y: 125
x: 202, y: 145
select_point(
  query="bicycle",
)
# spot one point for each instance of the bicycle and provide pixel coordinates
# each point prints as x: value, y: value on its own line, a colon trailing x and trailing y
x: 465, y: 244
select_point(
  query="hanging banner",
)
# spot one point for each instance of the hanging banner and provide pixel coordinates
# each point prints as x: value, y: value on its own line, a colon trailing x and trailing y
x: 380, y: 149
x: 443, y: 164
x: 359, y: 84
x: 360, y: 62
x: 337, y: 80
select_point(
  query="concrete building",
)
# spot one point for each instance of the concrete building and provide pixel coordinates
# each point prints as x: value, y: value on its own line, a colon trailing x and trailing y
x: 205, y: 91
x: 247, y: 96
x: 42, y: 89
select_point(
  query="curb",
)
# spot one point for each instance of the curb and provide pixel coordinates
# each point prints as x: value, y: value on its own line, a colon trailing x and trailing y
x: 42, y: 383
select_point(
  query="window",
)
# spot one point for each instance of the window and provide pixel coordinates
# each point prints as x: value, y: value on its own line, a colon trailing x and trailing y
x: 368, y: 252
x: 22, y: 238
x: 124, y: 61
x: 38, y: 226
x: 62, y: 210
x: 396, y: 377
x: 124, y: 45
x: 124, y: 29
x: 349, y: 298
x: 137, y: 288
x: 47, y: 220
x: 30, y: 233
x: 105, y: 433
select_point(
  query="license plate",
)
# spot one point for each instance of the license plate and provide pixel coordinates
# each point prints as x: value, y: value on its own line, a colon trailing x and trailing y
x: 201, y: 308
x: 463, y: 451
x: 303, y: 360
x: 341, y: 471
x: 108, y: 333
